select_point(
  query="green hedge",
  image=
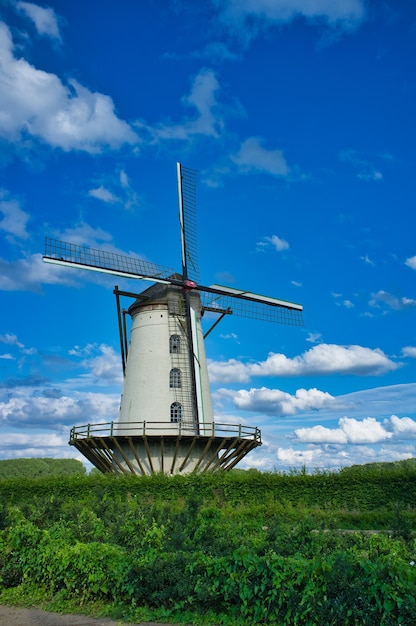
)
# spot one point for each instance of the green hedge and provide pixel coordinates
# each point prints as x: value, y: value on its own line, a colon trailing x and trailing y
x: 239, y: 548
x: 367, y: 491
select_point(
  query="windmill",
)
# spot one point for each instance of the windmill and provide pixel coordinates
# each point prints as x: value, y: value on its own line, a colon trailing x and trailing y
x: 166, y: 422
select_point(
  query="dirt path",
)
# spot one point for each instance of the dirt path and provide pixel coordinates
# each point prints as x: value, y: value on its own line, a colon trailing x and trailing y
x: 11, y: 616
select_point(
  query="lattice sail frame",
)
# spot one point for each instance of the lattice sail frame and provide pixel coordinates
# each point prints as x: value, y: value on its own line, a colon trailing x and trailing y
x: 188, y: 220
x: 65, y: 253
x: 215, y: 298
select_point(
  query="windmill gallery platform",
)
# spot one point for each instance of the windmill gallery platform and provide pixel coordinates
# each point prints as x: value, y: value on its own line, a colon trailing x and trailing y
x: 166, y: 422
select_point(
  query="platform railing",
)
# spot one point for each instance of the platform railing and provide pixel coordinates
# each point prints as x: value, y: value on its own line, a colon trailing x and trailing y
x: 145, y: 428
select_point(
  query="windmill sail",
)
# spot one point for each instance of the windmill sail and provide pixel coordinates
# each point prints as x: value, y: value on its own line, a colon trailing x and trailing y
x: 251, y: 305
x: 187, y: 211
x: 70, y: 254
x: 187, y: 219
x: 216, y: 298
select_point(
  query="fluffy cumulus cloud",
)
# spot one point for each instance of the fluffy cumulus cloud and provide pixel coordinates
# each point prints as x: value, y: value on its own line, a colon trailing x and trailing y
x: 37, y: 104
x: 18, y: 445
x: 105, y: 366
x: 403, y: 427
x: 30, y: 404
x: 290, y: 457
x: 33, y: 408
x: 349, y: 430
x: 322, y: 359
x: 355, y: 431
x: 278, y: 402
x: 331, y: 456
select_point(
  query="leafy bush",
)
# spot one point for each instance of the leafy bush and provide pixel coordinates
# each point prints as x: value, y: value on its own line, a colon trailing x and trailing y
x: 244, y: 548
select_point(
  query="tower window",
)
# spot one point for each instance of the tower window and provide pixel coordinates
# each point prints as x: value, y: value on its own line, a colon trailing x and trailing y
x: 175, y: 378
x: 174, y: 344
x: 176, y: 412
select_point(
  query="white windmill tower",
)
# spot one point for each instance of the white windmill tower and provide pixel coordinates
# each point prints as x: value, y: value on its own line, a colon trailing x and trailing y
x: 166, y: 423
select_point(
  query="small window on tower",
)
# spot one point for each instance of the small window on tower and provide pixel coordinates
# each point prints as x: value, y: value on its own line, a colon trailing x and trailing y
x: 174, y: 344
x: 175, y: 378
x: 176, y: 412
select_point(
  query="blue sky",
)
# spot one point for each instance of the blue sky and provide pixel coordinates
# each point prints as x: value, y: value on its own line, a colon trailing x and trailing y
x: 299, y: 117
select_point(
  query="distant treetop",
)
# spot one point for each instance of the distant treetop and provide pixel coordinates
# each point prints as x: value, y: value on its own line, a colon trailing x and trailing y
x: 40, y: 468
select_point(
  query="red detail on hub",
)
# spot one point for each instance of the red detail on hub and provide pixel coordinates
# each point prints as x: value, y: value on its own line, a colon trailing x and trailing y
x: 189, y: 285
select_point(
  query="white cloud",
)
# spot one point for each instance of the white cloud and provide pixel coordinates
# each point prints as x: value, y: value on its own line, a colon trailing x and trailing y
x: 43, y: 18
x: 10, y: 340
x: 207, y: 121
x: 350, y: 430
x: 276, y: 242
x: 21, y: 440
x: 101, y: 193
x: 322, y: 359
x: 281, y: 403
x: 348, y: 304
x: 84, y: 234
x: 29, y: 273
x: 14, y: 219
x: 359, y: 431
x: 37, y: 103
x: 124, y: 179
x: 321, y: 434
x: 106, y: 366
x: 314, y: 337
x: 411, y: 262
x: 116, y: 190
x: 386, y: 300
x: 228, y: 371
x: 253, y: 157
x: 229, y: 336
x: 332, y: 455
x: 34, y: 402
x: 409, y: 351
x: 403, y: 427
x: 289, y: 456
x: 32, y: 410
